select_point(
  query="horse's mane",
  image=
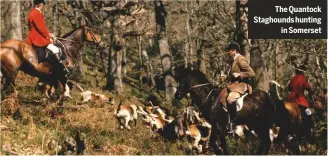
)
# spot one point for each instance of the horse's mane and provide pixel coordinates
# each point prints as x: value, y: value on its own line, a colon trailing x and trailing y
x: 200, y: 76
x: 71, y: 32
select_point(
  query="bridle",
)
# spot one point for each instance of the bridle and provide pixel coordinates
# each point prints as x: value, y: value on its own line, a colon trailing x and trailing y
x: 93, y: 36
x: 196, y: 86
x: 85, y: 32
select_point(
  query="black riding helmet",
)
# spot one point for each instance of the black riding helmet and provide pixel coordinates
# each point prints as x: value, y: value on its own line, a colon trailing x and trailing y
x: 232, y: 46
x: 37, y: 2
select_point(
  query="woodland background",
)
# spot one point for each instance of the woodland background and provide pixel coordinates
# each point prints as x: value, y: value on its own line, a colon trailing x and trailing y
x: 156, y: 37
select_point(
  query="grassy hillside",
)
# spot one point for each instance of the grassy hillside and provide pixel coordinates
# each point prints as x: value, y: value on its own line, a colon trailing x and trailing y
x: 31, y: 124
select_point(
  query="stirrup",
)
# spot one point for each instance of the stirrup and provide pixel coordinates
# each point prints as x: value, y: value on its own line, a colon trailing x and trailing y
x: 231, y: 128
x: 65, y: 70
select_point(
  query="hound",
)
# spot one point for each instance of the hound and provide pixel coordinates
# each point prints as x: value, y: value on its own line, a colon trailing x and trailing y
x: 155, y: 117
x: 90, y: 96
x: 198, y: 131
x: 127, y: 113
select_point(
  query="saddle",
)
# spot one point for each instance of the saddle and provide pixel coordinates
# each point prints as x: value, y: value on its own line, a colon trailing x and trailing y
x: 47, y: 56
x: 241, y: 88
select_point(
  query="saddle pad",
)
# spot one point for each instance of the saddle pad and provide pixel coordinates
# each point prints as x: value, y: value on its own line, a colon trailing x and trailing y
x: 239, y: 103
x: 238, y: 87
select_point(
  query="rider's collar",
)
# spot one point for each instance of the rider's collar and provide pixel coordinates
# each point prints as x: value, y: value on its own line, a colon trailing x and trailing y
x: 38, y: 9
x: 234, y: 58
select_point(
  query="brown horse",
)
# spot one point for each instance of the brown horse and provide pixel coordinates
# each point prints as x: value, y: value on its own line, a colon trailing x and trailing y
x: 290, y: 119
x: 17, y: 55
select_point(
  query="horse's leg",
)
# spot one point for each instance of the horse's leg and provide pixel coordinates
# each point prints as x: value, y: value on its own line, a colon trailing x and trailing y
x: 265, y: 143
x: 10, y: 81
x: 293, y: 145
x: 218, y: 141
x: 223, y: 143
x: 214, y: 139
x: 59, y: 91
x: 7, y: 84
x: 13, y: 77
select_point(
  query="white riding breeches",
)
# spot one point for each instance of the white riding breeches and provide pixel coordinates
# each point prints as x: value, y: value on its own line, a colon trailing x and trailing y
x: 54, y: 49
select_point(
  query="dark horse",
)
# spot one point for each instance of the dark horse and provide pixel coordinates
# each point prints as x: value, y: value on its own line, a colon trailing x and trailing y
x: 17, y: 55
x: 256, y: 112
x: 293, y: 127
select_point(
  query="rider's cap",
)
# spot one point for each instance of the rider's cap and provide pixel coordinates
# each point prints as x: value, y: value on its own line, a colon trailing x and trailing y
x: 36, y: 2
x: 232, y: 46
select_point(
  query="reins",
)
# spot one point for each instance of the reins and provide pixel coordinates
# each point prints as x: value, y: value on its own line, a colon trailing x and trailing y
x: 65, y: 39
x: 201, y: 85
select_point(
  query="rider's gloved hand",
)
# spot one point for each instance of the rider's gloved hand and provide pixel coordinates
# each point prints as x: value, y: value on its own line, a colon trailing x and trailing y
x: 51, y: 35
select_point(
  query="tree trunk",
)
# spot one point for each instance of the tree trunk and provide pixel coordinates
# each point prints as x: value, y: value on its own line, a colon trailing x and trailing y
x: 242, y: 28
x: 118, y: 85
x: 257, y: 63
x: 186, y: 53
x: 200, y: 57
x: 139, y: 41
x: 149, y: 69
x: 114, y: 76
x: 12, y: 21
x: 188, y: 45
x: 160, y: 15
x: 124, y: 61
x: 16, y: 20
x: 55, y: 25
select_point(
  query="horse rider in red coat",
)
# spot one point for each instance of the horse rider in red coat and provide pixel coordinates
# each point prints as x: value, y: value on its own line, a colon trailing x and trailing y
x: 38, y: 35
x: 297, y: 85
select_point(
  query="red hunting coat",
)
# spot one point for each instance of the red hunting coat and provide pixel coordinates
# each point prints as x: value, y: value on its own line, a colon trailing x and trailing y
x: 298, y: 85
x: 38, y: 34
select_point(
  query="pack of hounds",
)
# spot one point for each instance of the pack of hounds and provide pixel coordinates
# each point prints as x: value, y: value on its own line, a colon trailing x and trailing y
x: 189, y: 123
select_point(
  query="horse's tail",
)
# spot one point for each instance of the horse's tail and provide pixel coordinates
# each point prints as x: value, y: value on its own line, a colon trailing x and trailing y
x: 75, y: 84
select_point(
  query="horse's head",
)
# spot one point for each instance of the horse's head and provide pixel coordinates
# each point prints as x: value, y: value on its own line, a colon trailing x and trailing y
x: 92, y: 37
x: 189, y: 81
x: 181, y: 76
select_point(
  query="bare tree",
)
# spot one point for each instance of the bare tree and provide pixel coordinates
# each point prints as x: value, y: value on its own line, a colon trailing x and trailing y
x: 160, y: 14
x: 114, y: 76
x: 12, y: 20
x: 200, y: 56
x: 241, y: 26
x: 55, y: 20
x: 261, y: 75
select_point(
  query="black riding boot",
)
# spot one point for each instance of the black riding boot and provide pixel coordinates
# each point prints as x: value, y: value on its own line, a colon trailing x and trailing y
x: 57, y: 67
x: 232, y: 110
x: 58, y: 57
